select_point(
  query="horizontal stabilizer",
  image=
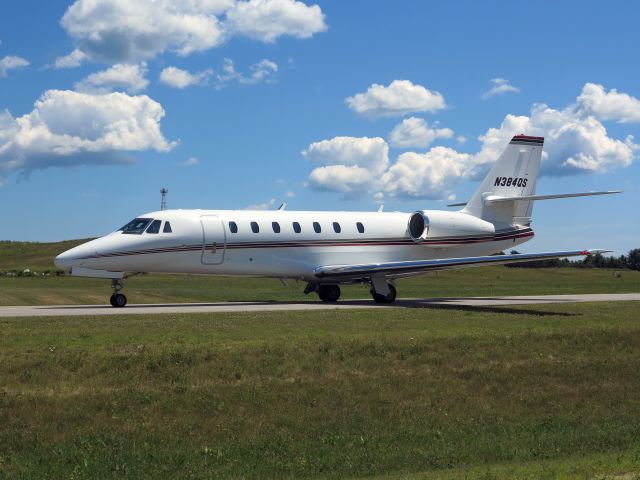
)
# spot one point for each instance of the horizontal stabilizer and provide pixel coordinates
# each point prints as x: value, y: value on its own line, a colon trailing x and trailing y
x: 419, y: 266
x: 499, y: 199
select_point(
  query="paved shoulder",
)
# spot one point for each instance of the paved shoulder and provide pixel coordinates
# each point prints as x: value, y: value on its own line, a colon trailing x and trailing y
x: 75, y: 310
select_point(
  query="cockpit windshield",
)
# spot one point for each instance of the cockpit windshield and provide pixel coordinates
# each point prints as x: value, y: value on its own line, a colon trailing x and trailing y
x: 136, y: 226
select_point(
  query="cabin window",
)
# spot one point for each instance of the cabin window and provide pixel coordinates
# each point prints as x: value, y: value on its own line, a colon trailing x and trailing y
x: 336, y: 227
x: 316, y: 227
x: 296, y: 227
x: 254, y: 227
x: 276, y: 227
x: 154, y: 227
x: 360, y: 227
x: 136, y: 226
x: 233, y: 226
x: 167, y: 228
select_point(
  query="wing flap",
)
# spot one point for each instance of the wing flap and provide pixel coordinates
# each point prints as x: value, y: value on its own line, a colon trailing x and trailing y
x: 419, y: 266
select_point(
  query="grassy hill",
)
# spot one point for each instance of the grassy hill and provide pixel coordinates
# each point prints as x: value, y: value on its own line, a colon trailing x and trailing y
x: 36, y: 256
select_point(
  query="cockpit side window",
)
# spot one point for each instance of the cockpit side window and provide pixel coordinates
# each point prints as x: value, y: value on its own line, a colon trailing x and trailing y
x: 136, y: 226
x: 167, y: 228
x: 154, y: 227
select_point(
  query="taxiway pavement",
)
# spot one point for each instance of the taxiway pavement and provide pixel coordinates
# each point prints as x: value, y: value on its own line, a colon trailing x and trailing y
x: 217, y: 307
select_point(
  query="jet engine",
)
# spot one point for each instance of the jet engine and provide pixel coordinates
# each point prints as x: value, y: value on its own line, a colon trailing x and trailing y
x: 433, y: 223
x: 418, y: 226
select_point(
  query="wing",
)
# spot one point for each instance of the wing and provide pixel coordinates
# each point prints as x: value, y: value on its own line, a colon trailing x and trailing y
x: 393, y: 269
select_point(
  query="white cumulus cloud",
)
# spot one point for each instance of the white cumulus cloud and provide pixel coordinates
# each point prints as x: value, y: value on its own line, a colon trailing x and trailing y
x: 266, y: 20
x: 262, y: 71
x: 499, y: 86
x: 268, y: 205
x: 399, y: 98
x: 134, y: 30
x: 69, y: 128
x: 574, y: 143
x: 372, y: 153
x: 129, y: 31
x: 346, y: 179
x: 424, y: 175
x: 178, y: 78
x: 415, y: 132
x: 72, y: 60
x: 611, y: 105
x: 190, y: 162
x: 11, y: 62
x: 350, y: 164
x: 127, y: 77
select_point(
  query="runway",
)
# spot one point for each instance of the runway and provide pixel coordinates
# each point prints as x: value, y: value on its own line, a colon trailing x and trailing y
x: 219, y: 307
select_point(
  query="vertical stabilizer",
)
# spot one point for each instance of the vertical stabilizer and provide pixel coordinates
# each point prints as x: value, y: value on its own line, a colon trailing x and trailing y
x: 514, y: 174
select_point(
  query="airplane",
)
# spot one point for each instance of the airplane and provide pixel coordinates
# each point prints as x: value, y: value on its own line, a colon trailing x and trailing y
x: 327, y: 249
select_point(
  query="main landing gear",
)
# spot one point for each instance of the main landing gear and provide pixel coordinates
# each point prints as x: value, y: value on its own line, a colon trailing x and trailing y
x: 390, y: 297
x: 329, y: 293
x: 117, y: 300
x: 381, y: 291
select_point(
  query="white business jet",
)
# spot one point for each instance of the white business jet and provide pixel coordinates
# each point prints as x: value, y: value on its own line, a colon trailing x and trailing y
x: 327, y: 249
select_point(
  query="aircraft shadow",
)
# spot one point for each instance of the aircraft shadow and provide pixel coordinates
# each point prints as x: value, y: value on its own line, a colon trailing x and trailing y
x: 430, y: 303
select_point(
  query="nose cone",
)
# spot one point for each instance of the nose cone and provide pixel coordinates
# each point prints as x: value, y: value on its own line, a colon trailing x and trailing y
x: 64, y: 261
x: 74, y: 256
x: 87, y: 255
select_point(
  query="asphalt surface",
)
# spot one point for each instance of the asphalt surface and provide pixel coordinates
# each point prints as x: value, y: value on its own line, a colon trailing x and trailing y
x: 71, y: 310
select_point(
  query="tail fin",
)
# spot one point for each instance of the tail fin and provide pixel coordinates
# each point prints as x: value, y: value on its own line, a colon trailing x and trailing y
x: 514, y: 175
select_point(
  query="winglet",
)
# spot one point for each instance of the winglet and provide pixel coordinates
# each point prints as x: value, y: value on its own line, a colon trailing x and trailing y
x: 595, y: 251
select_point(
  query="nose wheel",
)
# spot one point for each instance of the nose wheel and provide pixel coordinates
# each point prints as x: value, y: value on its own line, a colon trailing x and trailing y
x: 117, y: 300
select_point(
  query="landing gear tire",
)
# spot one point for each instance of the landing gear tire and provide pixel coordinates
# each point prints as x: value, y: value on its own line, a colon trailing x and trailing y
x: 118, y: 300
x: 388, y: 298
x: 329, y: 293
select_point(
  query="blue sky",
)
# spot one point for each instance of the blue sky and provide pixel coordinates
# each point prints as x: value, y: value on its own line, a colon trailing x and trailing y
x: 297, y: 102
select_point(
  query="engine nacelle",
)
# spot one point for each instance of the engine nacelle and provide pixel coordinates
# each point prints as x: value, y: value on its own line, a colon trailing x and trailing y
x: 435, y: 223
x: 418, y: 226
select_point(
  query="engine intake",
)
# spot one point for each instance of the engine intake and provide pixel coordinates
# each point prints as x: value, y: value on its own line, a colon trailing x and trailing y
x: 418, y: 226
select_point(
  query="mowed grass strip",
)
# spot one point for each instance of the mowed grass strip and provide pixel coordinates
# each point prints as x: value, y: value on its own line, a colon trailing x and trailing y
x: 327, y: 394
x: 485, y: 281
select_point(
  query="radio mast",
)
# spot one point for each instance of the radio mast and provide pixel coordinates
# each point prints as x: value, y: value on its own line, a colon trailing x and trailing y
x: 163, y: 204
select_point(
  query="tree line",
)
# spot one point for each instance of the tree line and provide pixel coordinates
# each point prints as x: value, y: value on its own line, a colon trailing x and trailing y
x: 630, y: 261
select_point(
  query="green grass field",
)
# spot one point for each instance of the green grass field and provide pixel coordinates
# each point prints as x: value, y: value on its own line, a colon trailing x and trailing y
x: 533, y: 392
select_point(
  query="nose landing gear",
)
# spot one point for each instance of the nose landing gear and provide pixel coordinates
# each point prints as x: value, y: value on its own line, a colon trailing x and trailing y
x: 117, y: 300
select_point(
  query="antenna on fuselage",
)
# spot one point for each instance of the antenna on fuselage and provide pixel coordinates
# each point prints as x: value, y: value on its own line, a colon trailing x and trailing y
x: 163, y: 203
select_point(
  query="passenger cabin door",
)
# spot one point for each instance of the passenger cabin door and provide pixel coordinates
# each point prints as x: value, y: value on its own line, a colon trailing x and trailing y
x: 213, y: 240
